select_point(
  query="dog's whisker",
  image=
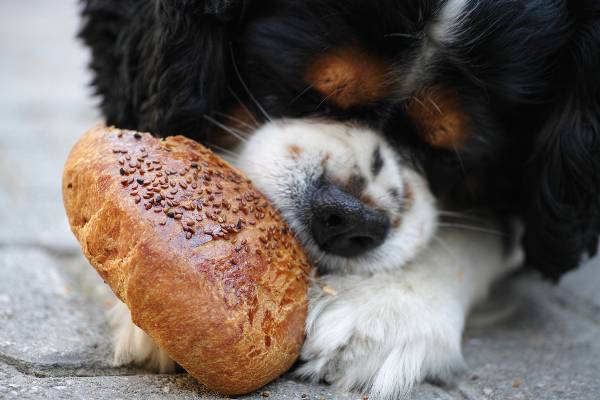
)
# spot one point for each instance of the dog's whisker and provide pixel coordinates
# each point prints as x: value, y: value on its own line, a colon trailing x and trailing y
x: 460, y: 159
x: 470, y: 212
x: 239, y: 121
x: 403, y: 35
x: 415, y: 98
x: 244, y: 106
x: 223, y: 150
x: 455, y: 214
x: 446, y: 247
x: 326, y: 98
x: 454, y: 219
x: 228, y: 158
x: 302, y: 93
x: 234, y: 132
x: 439, y: 110
x: 461, y: 218
x: 472, y: 228
x: 246, y: 88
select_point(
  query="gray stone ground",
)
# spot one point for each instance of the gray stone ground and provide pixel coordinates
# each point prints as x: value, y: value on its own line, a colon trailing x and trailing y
x: 53, y: 330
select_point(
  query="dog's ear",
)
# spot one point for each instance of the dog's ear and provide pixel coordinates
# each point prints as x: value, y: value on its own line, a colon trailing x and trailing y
x: 184, y: 65
x: 563, y: 183
x: 161, y: 65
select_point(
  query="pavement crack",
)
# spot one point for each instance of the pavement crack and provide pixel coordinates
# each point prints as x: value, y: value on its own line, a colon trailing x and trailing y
x: 66, y: 370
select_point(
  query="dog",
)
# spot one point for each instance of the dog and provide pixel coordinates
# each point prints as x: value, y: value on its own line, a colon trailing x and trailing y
x: 370, y: 125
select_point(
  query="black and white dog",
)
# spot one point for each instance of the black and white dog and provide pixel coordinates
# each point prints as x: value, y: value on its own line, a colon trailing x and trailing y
x: 370, y: 125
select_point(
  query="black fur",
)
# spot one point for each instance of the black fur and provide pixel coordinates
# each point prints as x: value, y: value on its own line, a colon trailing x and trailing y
x: 159, y: 65
x: 526, y: 72
x: 562, y: 184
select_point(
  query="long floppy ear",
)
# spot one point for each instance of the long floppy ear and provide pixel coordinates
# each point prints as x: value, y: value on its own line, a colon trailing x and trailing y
x: 185, y: 64
x: 160, y: 64
x: 563, y: 211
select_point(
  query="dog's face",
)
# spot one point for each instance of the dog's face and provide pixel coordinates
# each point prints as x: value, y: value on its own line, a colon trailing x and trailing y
x: 387, y: 66
x: 446, y: 102
x: 495, y: 103
x: 358, y: 127
x: 354, y: 202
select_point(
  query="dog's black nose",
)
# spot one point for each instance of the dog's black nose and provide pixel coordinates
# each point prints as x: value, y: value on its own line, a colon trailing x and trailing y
x: 341, y: 224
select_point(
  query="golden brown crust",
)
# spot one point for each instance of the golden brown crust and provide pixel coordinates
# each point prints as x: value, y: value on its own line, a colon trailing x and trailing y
x: 205, y: 264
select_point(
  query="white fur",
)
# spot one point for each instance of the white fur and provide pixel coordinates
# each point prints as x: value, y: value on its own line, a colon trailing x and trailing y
x: 133, y: 346
x: 442, y: 31
x: 381, y: 322
x: 338, y: 151
x: 383, y: 333
x: 445, y: 27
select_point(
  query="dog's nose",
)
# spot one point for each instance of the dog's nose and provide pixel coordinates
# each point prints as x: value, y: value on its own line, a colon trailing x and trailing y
x: 341, y: 224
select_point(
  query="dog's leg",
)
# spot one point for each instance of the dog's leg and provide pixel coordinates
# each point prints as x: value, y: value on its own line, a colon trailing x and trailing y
x: 134, y: 346
x: 385, y: 332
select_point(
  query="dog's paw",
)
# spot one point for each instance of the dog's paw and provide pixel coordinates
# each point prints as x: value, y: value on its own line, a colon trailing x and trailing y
x: 380, y: 338
x: 133, y: 346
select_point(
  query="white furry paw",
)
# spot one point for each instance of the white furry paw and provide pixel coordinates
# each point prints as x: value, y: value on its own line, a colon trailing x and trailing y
x: 134, y: 346
x: 380, y: 337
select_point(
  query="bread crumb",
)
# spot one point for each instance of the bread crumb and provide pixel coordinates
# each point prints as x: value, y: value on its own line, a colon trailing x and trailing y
x: 517, y: 383
x: 329, y: 290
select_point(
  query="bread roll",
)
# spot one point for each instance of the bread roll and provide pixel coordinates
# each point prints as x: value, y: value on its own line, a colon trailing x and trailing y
x: 205, y: 264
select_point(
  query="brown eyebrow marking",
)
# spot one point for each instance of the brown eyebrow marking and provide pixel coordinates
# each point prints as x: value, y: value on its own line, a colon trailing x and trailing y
x: 349, y: 76
x: 440, y: 118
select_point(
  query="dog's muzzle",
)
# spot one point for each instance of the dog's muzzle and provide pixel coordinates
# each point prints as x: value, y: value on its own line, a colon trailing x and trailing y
x: 343, y: 225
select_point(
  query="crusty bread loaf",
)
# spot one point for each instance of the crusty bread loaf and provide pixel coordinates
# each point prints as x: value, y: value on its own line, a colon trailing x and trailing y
x: 207, y: 267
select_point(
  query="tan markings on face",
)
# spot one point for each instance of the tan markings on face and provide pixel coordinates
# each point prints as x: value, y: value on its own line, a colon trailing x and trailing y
x: 439, y: 117
x: 295, y: 151
x: 350, y: 77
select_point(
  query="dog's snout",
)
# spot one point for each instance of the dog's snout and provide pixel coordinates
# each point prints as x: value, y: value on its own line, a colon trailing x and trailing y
x: 341, y: 224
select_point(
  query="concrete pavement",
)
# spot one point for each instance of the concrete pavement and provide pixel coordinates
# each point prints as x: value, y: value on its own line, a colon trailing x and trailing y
x: 54, y: 339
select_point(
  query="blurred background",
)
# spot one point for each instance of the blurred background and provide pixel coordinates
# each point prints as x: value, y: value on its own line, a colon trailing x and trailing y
x: 45, y: 105
x: 54, y: 340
